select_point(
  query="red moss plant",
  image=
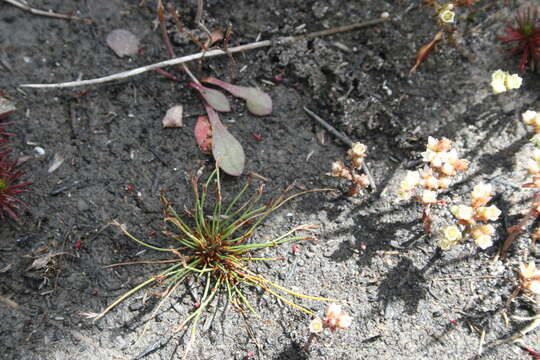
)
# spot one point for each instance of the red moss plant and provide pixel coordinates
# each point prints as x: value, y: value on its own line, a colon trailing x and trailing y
x: 525, y: 33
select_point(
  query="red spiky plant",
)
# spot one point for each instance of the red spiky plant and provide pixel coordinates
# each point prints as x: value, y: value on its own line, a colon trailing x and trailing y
x: 10, y: 188
x: 525, y: 33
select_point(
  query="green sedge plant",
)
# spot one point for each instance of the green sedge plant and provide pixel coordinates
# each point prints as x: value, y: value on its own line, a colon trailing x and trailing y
x: 213, y: 244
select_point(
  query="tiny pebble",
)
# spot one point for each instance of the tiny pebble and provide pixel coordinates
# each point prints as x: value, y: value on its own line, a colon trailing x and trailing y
x: 123, y: 42
x: 40, y: 151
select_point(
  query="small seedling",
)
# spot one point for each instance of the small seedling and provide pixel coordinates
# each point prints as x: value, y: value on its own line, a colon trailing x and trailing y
x: 214, y: 246
x: 355, y: 155
x: 334, y: 319
x: 525, y: 34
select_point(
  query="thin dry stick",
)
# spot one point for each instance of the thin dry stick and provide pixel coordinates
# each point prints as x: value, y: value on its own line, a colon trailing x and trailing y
x: 12, y: 304
x: 207, y: 54
x: 51, y: 14
x: 481, y: 343
x: 198, y: 15
x: 468, y: 278
x: 516, y: 230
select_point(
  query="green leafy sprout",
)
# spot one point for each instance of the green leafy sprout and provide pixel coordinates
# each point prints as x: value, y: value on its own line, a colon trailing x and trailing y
x: 216, y: 249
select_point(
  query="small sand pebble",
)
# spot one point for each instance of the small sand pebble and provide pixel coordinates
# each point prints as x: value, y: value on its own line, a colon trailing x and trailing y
x: 123, y: 42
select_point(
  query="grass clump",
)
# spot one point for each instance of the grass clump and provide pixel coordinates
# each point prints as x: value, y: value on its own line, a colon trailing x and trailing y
x: 212, y: 244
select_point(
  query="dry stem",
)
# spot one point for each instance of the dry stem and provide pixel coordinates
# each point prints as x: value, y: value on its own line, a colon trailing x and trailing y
x: 211, y: 53
x: 516, y: 230
x: 51, y: 14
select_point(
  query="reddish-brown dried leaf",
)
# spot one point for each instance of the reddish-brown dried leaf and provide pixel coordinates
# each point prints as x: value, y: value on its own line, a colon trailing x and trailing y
x: 426, y: 50
x: 203, y: 134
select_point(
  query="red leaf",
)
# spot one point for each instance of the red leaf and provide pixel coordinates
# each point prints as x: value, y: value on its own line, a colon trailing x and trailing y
x: 203, y: 134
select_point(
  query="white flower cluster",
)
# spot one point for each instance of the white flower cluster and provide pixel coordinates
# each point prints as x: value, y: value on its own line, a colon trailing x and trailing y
x: 530, y: 277
x: 335, y: 319
x: 356, y: 155
x: 502, y: 81
x: 532, y: 118
x: 442, y: 163
x: 472, y: 219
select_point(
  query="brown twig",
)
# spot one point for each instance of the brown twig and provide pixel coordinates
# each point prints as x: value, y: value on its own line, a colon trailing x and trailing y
x: 518, y: 229
x: 167, y: 40
x: 468, y: 278
x: 211, y: 53
x: 10, y: 303
x: 51, y: 14
x: 199, y: 13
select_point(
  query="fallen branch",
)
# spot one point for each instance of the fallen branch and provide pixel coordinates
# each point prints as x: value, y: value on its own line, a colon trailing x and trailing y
x: 51, y: 14
x: 211, y: 53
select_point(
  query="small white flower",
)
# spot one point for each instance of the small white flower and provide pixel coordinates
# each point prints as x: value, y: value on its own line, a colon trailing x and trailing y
x: 452, y: 233
x: 502, y: 81
x: 343, y: 321
x: 527, y: 273
x: 412, y: 179
x: 429, y: 197
x: 357, y: 150
x: 452, y: 156
x: 513, y: 82
x: 482, y: 192
x: 529, y: 117
x: 483, y: 241
x: 490, y: 213
x: 316, y: 326
x: 532, y: 166
x: 498, y: 86
x: 333, y: 310
x: 430, y: 182
x: 462, y: 212
x: 445, y: 182
x: 536, y: 155
x: 447, y: 16
x: 432, y: 143
x: 448, y: 169
x: 499, y: 75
